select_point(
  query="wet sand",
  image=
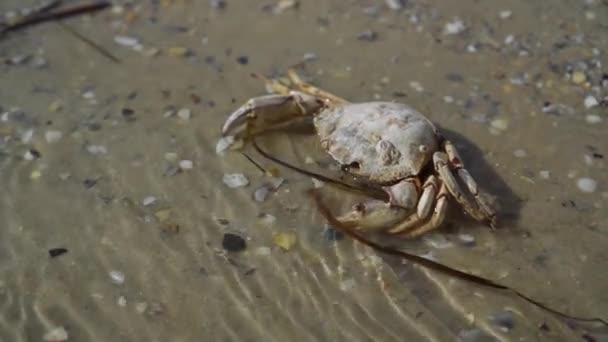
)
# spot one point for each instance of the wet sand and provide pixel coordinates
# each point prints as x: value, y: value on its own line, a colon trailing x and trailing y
x: 116, y: 163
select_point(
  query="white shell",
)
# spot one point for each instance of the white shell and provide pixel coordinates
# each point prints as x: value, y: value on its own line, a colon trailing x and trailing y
x: 387, y: 141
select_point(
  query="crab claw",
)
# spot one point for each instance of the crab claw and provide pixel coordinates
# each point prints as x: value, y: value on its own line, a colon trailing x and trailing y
x: 265, y: 112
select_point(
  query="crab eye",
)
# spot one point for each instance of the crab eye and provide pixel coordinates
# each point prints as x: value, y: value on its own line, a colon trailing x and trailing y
x: 354, y: 165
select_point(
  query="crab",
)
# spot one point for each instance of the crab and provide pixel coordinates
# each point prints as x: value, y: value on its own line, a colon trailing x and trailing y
x: 389, y: 144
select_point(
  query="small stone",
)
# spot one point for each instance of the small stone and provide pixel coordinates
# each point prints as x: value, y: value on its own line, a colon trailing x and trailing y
x: 53, y: 136
x: 235, y: 180
x: 285, y: 5
x: 186, y: 164
x: 260, y: 194
x: 504, y: 320
x: 35, y: 174
x: 233, y: 243
x: 500, y: 124
x: 242, y: 60
x: 55, y: 106
x: 263, y: 251
x: 171, y: 156
x: 467, y: 239
x: 122, y: 301
x: 593, y: 119
x: 97, y: 149
x: 395, y: 5
x: 224, y: 144
x: 163, y: 215
x: 184, y: 114
x: 141, y: 307
x: 310, y: 56
x: 578, y: 77
x: 117, y: 277
x: 284, y: 240
x: 149, y: 201
x: 456, y: 26
x: 217, y: 4
x: 31, y: 154
x: 519, y: 153
x: 368, y: 36
x: 266, y: 220
x: 586, y: 184
x: 317, y: 183
x: 126, y: 41
x: 506, y: 14
x: 347, y: 284
x: 448, y: 99
x: 178, y: 51
x: 56, y: 334
x: 544, y: 174
x: 590, y: 101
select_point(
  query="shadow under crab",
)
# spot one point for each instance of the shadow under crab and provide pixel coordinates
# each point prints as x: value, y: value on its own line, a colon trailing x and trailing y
x: 387, y: 144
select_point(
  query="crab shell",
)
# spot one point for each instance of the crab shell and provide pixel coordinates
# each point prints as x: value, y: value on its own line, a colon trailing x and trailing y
x: 383, y: 141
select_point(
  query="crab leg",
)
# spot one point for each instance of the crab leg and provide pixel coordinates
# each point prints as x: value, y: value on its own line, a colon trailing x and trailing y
x: 437, y: 217
x: 266, y: 112
x: 465, y: 176
x: 440, y: 160
x: 312, y: 90
x: 425, y: 204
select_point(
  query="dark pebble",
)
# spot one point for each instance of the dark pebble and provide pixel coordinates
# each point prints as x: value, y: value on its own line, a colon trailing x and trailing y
x: 55, y: 252
x: 35, y: 153
x: 368, y: 36
x: 89, y: 183
x: 217, y: 4
x: 243, y: 60
x: 233, y: 243
x: 504, y: 319
x: 330, y: 234
x: 128, y: 114
x: 454, y: 77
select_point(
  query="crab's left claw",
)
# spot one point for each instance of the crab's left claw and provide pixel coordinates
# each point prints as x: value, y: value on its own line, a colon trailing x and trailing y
x: 265, y: 112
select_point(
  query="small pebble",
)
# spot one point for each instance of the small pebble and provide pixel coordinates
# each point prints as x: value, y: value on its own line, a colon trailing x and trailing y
x: 117, y: 277
x: 504, y: 320
x: 310, y: 56
x: 149, y: 201
x: 593, y: 119
x: 519, y: 153
x: 235, y: 180
x: 224, y: 144
x: 586, y: 184
x: 31, y: 154
x: 178, y: 51
x: 544, y: 174
x: 506, y: 14
x: 455, y: 26
x: 317, y: 183
x: 500, y: 124
x: 122, y: 301
x: 52, y: 136
x: 579, y: 77
x: 368, y: 36
x: 56, y: 334
x: 395, y: 5
x: 284, y: 240
x: 184, y: 114
x: 590, y: 101
x: 242, y: 60
x: 141, y: 307
x: 217, y: 4
x: 186, y: 164
x: 267, y: 220
x: 347, y: 284
x: 55, y: 252
x: 35, y: 174
x: 467, y: 239
x: 263, y: 251
x: 126, y: 41
x: 97, y: 149
x: 233, y: 243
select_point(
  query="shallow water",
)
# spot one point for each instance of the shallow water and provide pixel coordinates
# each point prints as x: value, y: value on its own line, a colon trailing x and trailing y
x: 100, y: 144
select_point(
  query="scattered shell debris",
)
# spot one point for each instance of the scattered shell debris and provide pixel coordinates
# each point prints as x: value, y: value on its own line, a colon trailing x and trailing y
x: 235, y: 180
x: 586, y: 184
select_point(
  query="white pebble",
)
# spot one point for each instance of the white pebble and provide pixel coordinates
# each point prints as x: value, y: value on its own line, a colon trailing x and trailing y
x: 261, y: 193
x: 586, y: 184
x: 26, y: 137
x: 223, y: 144
x: 509, y: 39
x: 122, y: 301
x: 500, y: 124
x: 267, y: 220
x: 593, y: 119
x: 52, y: 136
x: 506, y: 14
x: 591, y: 101
x: 56, y: 334
x: 347, y: 284
x: 448, y: 99
x: 149, y: 201
x: 126, y: 41
x: 186, y: 164
x: 97, y: 149
x: 117, y: 277
x: 264, y: 251
x: 141, y: 307
x: 395, y: 5
x: 184, y: 114
x: 416, y: 86
x: 317, y: 183
x: 455, y: 26
x: 89, y: 95
x: 29, y: 156
x: 519, y: 153
x: 235, y: 180
x: 466, y: 238
x: 544, y: 174
x: 438, y: 241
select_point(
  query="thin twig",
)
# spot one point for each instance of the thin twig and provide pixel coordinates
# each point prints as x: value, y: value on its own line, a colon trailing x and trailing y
x: 89, y: 42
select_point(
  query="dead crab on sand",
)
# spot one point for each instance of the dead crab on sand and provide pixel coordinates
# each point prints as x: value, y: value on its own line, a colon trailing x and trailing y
x: 389, y: 144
